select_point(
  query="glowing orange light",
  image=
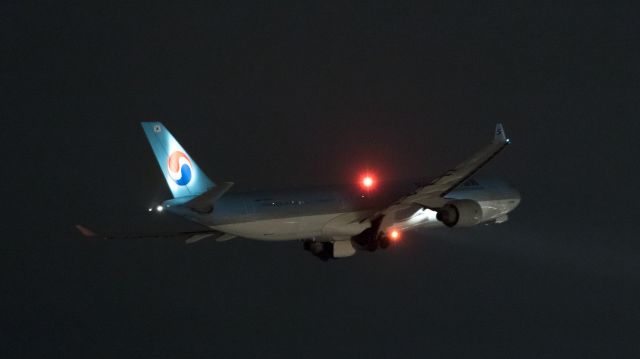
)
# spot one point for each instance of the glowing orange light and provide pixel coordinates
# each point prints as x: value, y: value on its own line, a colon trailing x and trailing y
x: 394, y: 234
x: 367, y: 181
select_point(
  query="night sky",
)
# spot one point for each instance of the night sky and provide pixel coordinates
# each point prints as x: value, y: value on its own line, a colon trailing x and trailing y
x: 312, y: 93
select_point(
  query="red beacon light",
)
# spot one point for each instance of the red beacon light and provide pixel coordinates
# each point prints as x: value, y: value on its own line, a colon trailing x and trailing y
x: 367, y: 182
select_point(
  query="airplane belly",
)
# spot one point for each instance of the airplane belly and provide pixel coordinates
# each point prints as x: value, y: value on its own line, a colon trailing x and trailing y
x: 280, y: 229
x: 497, y: 208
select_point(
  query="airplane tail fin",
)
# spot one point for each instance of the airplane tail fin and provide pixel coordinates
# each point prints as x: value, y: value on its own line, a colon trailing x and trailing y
x: 181, y: 172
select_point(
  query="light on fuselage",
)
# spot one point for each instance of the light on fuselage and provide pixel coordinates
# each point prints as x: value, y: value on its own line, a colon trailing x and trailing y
x: 394, y: 235
x: 159, y: 208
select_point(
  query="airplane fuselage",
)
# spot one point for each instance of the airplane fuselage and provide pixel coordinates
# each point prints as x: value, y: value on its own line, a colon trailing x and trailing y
x: 325, y: 213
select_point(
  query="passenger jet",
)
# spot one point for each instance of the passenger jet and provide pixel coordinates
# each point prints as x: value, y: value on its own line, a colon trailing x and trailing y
x: 332, y: 221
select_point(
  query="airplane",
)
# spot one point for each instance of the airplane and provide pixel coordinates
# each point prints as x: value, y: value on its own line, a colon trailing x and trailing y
x: 331, y: 221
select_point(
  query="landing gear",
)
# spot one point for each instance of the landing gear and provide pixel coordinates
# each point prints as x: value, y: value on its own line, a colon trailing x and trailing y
x: 322, y: 250
x: 372, y: 238
x: 381, y: 241
x: 371, y: 241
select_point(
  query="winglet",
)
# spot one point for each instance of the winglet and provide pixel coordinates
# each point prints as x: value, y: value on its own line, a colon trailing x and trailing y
x: 85, y: 231
x: 500, y: 136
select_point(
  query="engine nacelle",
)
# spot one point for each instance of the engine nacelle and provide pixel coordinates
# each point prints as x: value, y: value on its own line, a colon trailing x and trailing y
x: 460, y: 213
x: 343, y: 249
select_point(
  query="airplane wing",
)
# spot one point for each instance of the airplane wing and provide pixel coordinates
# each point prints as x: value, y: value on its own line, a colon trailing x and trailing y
x: 191, y: 237
x: 432, y: 195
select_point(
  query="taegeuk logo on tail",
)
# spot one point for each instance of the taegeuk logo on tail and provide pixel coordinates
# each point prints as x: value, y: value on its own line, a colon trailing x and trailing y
x: 180, y: 169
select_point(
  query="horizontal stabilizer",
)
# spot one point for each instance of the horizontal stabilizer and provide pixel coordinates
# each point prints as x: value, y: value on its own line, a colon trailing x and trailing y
x: 85, y: 231
x: 204, y: 202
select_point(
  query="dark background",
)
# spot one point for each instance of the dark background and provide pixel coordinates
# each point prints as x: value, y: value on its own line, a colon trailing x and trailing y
x: 287, y: 95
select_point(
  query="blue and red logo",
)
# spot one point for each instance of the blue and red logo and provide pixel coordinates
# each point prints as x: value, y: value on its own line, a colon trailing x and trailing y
x: 180, y: 169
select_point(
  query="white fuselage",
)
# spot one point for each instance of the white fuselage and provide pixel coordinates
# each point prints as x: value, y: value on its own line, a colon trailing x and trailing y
x: 327, y: 214
x: 325, y: 226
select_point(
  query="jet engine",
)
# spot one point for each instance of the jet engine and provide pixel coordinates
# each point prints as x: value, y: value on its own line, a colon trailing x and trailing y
x: 460, y: 213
